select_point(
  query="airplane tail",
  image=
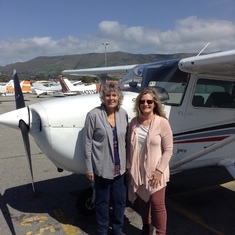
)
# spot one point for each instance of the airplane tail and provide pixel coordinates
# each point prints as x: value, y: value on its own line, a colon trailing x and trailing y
x: 10, y: 90
x: 66, y: 86
x: 26, y: 86
x: 10, y: 83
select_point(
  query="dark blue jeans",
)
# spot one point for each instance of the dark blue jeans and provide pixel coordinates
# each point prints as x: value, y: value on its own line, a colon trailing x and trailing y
x: 110, y: 193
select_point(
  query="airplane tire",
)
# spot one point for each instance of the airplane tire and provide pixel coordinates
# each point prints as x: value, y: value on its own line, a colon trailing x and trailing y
x: 84, y: 202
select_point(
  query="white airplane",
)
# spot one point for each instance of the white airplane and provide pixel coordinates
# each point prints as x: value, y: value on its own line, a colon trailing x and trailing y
x: 69, y: 88
x: 50, y: 88
x: 199, y: 99
x: 9, y: 90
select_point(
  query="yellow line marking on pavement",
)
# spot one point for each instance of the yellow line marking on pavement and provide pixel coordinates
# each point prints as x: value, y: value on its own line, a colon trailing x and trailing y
x: 42, y: 230
x: 229, y: 185
x: 68, y: 228
x: 193, y: 217
x: 29, y: 221
x: 41, y: 220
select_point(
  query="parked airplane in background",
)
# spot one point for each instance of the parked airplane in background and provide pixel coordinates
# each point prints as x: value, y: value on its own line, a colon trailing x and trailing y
x: 3, y: 88
x: 50, y: 88
x: 8, y: 89
x: 69, y: 88
x: 199, y: 99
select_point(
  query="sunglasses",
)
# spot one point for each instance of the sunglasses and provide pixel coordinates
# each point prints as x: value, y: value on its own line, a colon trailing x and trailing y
x: 148, y: 101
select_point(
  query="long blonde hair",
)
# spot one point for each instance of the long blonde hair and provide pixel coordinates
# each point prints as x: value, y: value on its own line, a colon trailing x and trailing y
x: 158, y: 109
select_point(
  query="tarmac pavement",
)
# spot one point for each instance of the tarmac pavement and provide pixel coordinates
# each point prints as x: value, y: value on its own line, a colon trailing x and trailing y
x: 199, y: 201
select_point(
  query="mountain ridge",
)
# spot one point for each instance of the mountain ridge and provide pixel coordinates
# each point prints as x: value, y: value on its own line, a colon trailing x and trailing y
x: 51, y: 66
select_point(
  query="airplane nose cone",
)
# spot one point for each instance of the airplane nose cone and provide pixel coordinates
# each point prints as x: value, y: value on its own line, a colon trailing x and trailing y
x: 11, y: 119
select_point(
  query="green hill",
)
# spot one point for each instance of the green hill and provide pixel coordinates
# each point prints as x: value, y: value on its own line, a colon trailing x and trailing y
x: 51, y: 66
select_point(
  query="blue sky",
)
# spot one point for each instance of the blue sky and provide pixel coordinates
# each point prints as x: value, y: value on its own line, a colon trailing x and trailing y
x: 32, y: 28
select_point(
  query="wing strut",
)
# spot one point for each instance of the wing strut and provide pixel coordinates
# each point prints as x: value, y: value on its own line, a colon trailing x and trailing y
x: 203, y: 152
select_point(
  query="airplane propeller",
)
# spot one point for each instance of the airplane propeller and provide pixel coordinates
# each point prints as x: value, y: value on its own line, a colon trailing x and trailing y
x: 19, y: 99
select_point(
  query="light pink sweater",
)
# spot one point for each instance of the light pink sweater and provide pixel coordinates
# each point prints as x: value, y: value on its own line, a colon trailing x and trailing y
x: 157, y: 154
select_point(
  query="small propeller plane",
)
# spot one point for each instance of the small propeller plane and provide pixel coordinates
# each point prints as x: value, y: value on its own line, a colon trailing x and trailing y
x: 47, y: 88
x: 198, y: 95
x: 69, y: 88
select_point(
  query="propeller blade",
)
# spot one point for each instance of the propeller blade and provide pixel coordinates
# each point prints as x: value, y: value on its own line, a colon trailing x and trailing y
x: 24, y: 131
x: 19, y: 98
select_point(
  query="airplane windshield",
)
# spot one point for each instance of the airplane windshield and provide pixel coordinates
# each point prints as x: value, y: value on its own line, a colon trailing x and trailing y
x: 165, y: 76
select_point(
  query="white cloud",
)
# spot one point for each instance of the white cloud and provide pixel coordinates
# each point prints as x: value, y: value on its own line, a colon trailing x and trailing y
x: 189, y: 35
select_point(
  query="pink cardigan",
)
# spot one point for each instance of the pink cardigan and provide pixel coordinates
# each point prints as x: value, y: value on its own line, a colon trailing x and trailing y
x: 158, y: 153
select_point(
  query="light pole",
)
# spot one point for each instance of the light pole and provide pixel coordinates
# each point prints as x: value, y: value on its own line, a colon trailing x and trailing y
x: 105, y: 44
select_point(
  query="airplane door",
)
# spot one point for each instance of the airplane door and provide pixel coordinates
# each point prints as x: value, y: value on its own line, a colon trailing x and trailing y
x: 208, y: 118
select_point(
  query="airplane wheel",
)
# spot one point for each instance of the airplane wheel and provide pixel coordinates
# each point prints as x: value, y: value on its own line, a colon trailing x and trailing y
x: 84, y: 202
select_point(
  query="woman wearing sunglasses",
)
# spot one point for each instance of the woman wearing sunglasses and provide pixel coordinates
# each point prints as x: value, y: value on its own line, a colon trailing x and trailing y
x: 150, y: 145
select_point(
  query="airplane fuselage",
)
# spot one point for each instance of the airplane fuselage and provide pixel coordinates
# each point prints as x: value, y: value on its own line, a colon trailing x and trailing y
x: 200, y: 108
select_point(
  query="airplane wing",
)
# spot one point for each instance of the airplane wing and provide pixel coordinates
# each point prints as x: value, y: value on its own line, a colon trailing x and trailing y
x: 222, y: 63
x: 100, y: 72
x: 40, y: 92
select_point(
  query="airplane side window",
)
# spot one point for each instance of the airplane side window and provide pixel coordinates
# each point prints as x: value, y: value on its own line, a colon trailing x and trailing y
x: 214, y: 94
x: 174, y: 86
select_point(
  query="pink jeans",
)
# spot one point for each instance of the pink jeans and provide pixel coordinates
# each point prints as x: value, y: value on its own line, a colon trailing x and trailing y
x: 156, y: 207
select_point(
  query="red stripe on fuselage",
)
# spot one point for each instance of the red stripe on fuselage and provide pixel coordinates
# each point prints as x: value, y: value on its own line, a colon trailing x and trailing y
x: 217, y: 138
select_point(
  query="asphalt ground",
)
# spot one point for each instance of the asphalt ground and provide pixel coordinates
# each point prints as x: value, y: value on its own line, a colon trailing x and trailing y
x: 199, y: 201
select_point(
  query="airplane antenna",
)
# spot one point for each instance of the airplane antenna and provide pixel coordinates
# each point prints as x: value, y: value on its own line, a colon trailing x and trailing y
x: 203, y: 48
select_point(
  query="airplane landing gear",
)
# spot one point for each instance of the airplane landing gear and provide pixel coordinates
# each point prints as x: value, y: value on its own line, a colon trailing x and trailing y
x: 86, y: 201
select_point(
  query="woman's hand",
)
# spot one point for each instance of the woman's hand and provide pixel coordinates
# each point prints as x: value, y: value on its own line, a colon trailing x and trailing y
x: 90, y: 176
x: 156, y: 178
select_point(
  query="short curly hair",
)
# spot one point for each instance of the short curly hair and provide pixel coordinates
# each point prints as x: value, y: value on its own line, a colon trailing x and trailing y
x: 111, y: 87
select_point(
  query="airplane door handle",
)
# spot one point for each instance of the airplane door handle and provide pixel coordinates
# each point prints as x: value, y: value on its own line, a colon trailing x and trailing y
x: 181, y: 151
